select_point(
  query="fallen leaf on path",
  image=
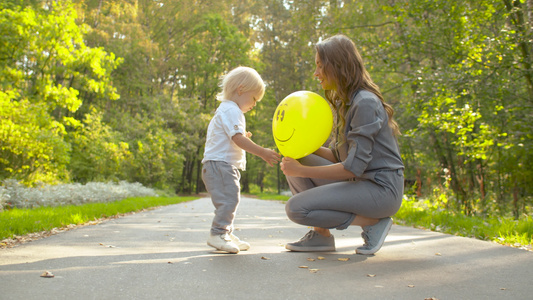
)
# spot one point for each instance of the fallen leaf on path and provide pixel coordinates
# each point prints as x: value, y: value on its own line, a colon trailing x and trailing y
x: 438, y: 254
x: 370, y: 275
x: 313, y: 270
x: 411, y: 286
x: 503, y: 289
x: 310, y: 259
x: 343, y: 259
x: 321, y: 257
x: 264, y: 258
x: 47, y: 274
x: 303, y: 267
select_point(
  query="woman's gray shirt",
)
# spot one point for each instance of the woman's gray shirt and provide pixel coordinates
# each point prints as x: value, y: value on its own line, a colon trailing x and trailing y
x: 370, y: 143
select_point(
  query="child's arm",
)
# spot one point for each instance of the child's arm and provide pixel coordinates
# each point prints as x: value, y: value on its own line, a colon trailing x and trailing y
x: 268, y: 155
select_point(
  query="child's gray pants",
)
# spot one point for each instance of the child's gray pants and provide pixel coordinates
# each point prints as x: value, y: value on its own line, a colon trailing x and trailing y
x: 222, y: 181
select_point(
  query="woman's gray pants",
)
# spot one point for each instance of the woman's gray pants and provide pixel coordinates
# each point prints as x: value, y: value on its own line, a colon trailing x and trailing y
x: 334, y: 204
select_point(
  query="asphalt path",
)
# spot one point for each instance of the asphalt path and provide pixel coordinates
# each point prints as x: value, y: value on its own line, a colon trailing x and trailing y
x: 162, y: 254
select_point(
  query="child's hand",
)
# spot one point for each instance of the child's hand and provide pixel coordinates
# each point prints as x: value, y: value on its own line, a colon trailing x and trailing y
x: 270, y: 156
x: 248, y: 134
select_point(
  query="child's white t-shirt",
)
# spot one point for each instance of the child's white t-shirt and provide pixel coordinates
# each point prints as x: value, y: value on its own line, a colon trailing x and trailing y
x: 227, y: 121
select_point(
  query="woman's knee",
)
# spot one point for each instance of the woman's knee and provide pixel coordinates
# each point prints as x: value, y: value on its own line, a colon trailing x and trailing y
x: 295, y: 212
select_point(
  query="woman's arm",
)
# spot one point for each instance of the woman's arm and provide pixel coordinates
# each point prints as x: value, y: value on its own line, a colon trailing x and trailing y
x: 326, y: 153
x: 292, y: 167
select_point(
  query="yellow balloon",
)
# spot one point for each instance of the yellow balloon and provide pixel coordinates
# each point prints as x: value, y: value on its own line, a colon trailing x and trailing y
x: 302, y: 123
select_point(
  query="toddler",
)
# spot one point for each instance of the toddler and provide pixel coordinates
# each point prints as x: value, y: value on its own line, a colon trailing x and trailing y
x: 226, y: 145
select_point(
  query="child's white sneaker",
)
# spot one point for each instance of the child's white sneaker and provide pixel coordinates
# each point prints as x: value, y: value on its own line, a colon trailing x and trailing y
x: 222, y: 242
x: 243, y: 246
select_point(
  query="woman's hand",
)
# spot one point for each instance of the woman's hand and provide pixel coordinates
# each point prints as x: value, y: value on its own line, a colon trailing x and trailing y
x: 291, y: 167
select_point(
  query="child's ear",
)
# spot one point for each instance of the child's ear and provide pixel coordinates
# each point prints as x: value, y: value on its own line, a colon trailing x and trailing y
x: 239, y: 90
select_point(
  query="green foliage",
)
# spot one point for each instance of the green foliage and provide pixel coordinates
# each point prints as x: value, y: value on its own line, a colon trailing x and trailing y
x: 465, y: 91
x: 156, y: 160
x: 95, y: 154
x: 31, y: 142
x: 44, y: 66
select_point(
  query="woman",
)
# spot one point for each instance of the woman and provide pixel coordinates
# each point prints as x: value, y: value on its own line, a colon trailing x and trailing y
x: 359, y: 179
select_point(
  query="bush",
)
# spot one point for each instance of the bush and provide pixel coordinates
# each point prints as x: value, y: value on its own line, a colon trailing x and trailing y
x: 14, y: 194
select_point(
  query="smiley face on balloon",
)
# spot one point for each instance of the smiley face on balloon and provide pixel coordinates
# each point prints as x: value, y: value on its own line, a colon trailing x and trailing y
x: 302, y: 123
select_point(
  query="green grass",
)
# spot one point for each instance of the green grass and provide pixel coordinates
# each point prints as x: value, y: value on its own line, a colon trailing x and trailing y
x: 505, y: 231
x: 266, y: 196
x: 18, y: 222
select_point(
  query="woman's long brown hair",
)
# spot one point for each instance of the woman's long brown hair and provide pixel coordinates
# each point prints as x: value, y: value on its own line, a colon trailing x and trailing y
x: 343, y: 65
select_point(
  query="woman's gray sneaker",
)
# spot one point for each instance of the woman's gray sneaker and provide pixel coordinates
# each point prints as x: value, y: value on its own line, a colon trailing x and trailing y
x: 313, y: 241
x: 374, y: 236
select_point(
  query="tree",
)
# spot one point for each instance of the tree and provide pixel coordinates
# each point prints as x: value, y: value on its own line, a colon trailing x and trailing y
x: 466, y: 92
x: 45, y: 65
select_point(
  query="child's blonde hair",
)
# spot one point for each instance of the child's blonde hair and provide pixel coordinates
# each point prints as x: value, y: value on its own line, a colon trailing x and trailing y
x: 241, y: 77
